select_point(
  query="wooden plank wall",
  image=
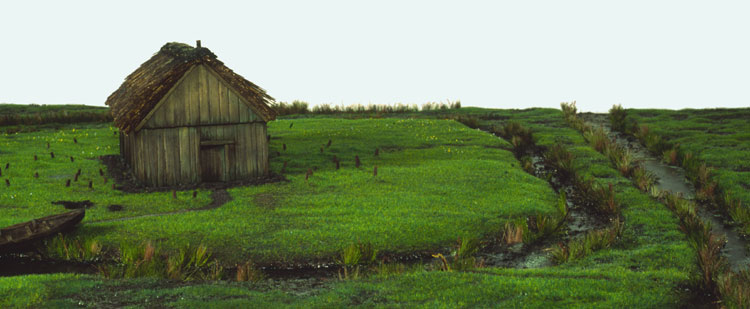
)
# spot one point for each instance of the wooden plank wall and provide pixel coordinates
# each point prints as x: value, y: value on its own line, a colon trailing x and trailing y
x: 172, y: 156
x: 201, y: 98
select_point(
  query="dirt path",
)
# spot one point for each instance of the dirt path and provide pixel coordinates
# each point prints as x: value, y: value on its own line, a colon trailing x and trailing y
x: 671, y: 178
x: 219, y: 197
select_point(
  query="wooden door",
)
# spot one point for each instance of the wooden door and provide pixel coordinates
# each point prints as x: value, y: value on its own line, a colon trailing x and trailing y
x: 213, y: 163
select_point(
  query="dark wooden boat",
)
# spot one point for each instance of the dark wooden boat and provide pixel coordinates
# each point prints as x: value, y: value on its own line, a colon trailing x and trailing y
x: 19, y: 237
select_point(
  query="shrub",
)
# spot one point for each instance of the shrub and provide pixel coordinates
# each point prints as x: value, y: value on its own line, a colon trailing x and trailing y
x: 617, y: 116
x: 469, y: 121
x: 296, y: 107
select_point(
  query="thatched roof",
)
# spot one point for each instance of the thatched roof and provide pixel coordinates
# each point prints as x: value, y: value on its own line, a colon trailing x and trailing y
x: 145, y: 87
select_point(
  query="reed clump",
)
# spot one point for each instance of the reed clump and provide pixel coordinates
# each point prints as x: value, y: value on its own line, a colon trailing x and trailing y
x: 352, y: 256
x: 188, y: 263
x: 590, y: 242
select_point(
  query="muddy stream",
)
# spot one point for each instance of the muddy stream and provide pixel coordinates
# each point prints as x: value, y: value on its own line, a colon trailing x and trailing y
x: 672, y: 178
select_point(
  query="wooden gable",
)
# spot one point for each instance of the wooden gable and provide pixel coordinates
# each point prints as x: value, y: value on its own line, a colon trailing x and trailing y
x: 200, y: 97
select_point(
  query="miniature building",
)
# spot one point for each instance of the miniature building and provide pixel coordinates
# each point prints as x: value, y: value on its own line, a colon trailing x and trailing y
x: 186, y: 118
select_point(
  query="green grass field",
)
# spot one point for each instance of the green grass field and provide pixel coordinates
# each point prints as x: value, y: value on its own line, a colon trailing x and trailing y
x: 718, y: 137
x: 437, y: 180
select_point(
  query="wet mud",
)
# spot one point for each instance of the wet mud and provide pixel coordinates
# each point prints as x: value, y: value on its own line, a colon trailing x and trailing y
x: 21, y: 264
x: 672, y: 178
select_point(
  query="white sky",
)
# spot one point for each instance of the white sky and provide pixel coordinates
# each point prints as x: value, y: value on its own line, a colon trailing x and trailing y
x: 504, y: 54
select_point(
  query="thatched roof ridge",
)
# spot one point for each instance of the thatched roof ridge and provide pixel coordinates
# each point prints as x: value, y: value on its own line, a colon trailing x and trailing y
x: 147, y: 85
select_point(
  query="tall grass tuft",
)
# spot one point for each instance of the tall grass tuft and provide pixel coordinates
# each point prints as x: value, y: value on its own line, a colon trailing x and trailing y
x: 736, y: 210
x: 590, y: 242
x: 513, y: 233
x: 463, y: 257
x: 598, y: 139
x: 735, y: 289
x: 559, y: 158
x: 248, y: 272
x: 643, y: 178
x: 72, y: 249
x: 710, y: 261
x: 352, y: 256
x: 671, y: 156
x: 601, y: 197
x: 520, y: 136
x: 623, y: 160
x: 617, y: 116
x: 187, y: 264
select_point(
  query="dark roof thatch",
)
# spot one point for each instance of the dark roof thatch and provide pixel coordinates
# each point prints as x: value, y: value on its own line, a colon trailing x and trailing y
x: 145, y: 87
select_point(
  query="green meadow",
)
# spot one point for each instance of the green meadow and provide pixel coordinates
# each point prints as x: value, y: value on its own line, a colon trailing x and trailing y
x: 437, y: 180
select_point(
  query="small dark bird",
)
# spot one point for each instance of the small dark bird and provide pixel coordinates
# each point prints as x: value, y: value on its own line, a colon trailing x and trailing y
x: 7, y: 165
x: 101, y: 173
x: 375, y: 171
x: 329, y: 143
x: 357, y: 163
x: 52, y: 154
x: 35, y: 158
x: 114, y: 133
x: 291, y: 124
x: 283, y: 146
x: 195, y: 194
x: 71, y: 159
x: 36, y: 174
x: 91, y: 184
x: 75, y: 141
x: 7, y: 182
x: 67, y: 183
x: 377, y: 152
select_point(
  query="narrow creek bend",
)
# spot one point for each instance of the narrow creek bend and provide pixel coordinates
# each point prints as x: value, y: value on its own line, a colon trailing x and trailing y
x: 672, y: 178
x: 580, y: 220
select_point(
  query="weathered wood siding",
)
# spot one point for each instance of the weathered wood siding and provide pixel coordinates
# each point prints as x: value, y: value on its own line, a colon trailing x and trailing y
x: 200, y: 98
x: 200, y: 127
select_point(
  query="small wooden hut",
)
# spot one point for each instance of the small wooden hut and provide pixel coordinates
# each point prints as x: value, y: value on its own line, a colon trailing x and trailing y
x: 185, y: 118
